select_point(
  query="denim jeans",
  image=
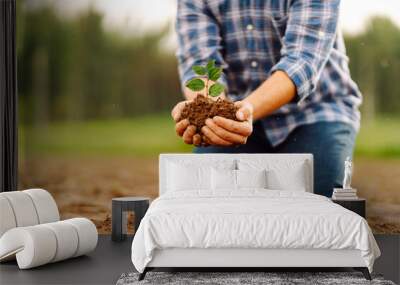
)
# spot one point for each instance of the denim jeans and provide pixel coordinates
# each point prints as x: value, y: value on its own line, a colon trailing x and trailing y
x: 329, y: 142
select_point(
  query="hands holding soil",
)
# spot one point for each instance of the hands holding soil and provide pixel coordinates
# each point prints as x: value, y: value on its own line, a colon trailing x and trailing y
x: 196, y: 123
x: 204, y: 121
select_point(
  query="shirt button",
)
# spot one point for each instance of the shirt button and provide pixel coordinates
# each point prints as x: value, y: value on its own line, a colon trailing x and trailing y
x: 254, y: 64
x: 321, y: 34
x: 250, y: 27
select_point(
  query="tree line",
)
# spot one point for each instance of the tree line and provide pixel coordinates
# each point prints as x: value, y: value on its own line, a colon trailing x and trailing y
x: 74, y: 69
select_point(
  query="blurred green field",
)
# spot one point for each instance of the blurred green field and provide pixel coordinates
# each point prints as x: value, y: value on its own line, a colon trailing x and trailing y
x: 379, y: 138
x: 144, y: 136
x: 153, y: 134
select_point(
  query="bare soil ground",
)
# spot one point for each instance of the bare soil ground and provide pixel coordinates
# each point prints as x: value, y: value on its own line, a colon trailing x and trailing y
x: 85, y: 186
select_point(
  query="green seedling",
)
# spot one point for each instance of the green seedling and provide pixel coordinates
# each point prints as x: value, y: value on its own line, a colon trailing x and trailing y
x: 210, y: 73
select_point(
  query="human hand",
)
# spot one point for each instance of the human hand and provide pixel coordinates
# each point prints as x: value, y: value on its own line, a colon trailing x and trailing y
x: 220, y: 131
x: 183, y: 127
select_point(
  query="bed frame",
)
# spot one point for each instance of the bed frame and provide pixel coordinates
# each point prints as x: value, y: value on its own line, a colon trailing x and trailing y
x: 246, y: 258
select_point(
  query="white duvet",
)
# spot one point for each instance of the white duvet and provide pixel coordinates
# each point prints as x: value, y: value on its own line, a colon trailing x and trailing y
x: 250, y: 219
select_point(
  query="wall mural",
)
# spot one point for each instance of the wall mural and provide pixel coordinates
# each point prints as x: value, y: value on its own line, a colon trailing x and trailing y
x: 95, y: 97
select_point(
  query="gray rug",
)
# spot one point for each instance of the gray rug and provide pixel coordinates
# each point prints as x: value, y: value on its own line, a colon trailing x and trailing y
x: 232, y: 278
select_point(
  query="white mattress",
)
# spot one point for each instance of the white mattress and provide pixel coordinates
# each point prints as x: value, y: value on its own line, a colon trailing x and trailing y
x: 257, y: 219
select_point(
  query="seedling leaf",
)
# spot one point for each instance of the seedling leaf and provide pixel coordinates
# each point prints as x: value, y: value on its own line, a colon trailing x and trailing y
x: 210, y: 64
x: 214, y: 73
x: 216, y: 89
x: 199, y: 70
x: 195, y: 84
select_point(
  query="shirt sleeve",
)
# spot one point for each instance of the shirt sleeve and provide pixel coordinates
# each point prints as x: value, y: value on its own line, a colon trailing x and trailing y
x: 309, y: 38
x: 199, y: 38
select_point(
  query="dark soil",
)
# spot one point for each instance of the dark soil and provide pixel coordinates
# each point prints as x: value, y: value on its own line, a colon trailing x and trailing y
x: 202, y: 108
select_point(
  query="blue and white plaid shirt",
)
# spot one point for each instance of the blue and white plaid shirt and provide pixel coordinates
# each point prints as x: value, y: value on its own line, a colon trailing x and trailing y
x: 253, y: 38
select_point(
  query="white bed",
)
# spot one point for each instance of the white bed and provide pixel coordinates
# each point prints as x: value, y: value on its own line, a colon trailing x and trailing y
x: 248, y: 227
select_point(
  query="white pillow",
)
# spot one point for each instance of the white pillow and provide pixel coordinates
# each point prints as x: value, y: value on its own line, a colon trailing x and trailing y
x: 188, y: 177
x: 203, y: 161
x: 223, y: 179
x: 251, y: 178
x: 286, y: 174
x: 292, y: 179
x: 226, y: 179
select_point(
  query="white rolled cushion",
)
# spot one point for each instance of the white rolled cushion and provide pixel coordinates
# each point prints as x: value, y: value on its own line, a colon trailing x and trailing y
x: 33, y: 245
x: 223, y: 179
x: 67, y: 239
x: 7, y: 218
x: 87, y: 235
x: 184, y: 177
x: 45, y: 205
x: 251, y: 178
x: 23, y: 208
x: 40, y: 244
